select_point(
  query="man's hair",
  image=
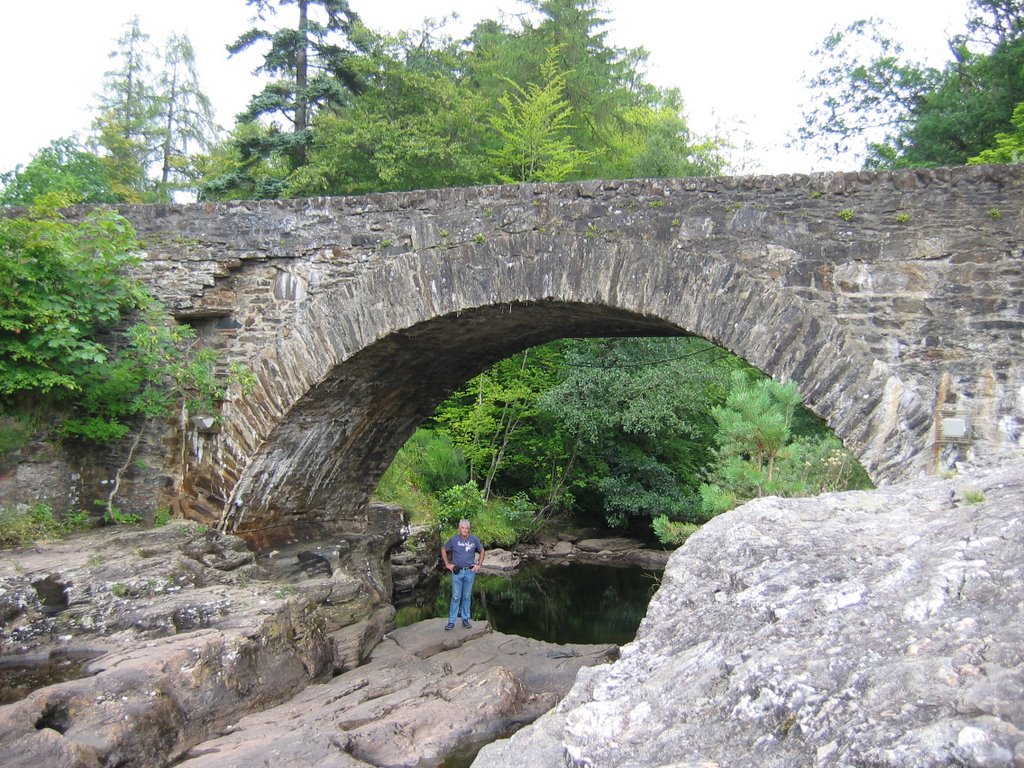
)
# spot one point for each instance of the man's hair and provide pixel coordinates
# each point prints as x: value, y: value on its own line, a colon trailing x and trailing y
x: 463, y: 522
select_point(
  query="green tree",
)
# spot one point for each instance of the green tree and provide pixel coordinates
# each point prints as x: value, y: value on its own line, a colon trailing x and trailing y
x: 62, y: 286
x: 424, y: 110
x: 966, y: 113
x: 654, y: 141
x: 416, y: 125
x: 601, y: 82
x: 639, y: 409
x: 186, y: 121
x: 311, y: 69
x: 902, y: 113
x: 64, y: 169
x: 534, y: 128
x: 460, y: 502
x: 1009, y: 147
x: 621, y: 125
x: 235, y: 168
x: 149, y: 124
x: 753, y: 430
x: 486, y: 417
x: 759, y: 453
x: 67, y: 294
x: 127, y: 121
x: 865, y: 90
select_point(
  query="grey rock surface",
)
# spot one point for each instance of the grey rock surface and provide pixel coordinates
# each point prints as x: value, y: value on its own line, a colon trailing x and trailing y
x: 416, y: 564
x: 189, y: 635
x: 423, y: 693
x: 881, y: 628
x: 206, y: 653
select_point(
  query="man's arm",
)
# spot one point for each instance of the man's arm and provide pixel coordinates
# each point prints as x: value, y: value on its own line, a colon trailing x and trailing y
x: 444, y: 557
x: 480, y: 549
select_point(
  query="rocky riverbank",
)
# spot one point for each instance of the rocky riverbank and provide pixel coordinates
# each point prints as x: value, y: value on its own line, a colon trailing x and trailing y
x: 584, y: 547
x: 205, y: 653
x: 874, y: 628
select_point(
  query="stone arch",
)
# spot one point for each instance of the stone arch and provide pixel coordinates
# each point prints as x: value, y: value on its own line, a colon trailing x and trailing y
x: 368, y: 361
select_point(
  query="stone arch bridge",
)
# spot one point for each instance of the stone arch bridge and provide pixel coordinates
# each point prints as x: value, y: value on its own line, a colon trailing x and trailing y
x: 893, y: 300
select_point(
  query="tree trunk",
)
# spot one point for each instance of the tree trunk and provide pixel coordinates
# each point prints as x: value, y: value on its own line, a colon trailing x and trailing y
x: 301, y: 82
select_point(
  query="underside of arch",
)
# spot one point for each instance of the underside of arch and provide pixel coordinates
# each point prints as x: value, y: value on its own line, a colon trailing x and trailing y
x: 323, y: 461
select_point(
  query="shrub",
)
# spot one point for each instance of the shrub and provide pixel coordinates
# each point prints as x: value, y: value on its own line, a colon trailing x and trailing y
x: 974, y: 496
x: 22, y: 525
x: 459, y: 502
x: 68, y: 292
x: 162, y: 517
x: 114, y: 516
x: 436, y: 461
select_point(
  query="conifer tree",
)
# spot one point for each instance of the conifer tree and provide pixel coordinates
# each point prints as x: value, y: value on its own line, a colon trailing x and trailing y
x: 310, y: 67
x: 186, y: 115
x: 127, y: 122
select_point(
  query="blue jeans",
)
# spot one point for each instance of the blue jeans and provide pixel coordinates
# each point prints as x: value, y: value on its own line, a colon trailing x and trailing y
x: 462, y: 593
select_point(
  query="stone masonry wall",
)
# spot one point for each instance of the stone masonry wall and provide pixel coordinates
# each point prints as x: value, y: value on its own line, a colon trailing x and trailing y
x: 893, y: 300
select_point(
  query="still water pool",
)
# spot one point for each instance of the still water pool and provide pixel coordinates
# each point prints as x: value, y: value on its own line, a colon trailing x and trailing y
x: 565, y: 603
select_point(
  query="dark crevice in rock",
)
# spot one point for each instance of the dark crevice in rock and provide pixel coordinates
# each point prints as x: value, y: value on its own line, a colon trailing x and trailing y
x: 56, y: 717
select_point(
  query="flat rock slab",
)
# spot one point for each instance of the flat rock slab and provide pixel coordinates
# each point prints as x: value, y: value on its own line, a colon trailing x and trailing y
x: 189, y: 635
x: 614, y: 544
x: 423, y: 693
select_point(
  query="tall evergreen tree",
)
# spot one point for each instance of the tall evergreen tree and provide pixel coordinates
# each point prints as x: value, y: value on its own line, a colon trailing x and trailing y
x: 150, y: 121
x: 310, y: 67
x: 127, y: 122
x: 601, y: 82
x: 186, y: 114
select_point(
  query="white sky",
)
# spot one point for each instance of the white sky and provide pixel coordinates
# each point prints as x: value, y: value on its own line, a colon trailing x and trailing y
x: 737, y: 63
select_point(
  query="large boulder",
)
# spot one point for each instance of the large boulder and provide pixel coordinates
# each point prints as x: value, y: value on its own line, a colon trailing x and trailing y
x: 878, y: 628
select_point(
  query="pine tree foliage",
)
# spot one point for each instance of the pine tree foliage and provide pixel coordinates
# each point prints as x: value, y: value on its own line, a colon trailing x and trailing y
x: 186, y: 122
x: 533, y: 127
x: 760, y: 452
x: 151, y: 121
x: 127, y: 123
x: 310, y: 69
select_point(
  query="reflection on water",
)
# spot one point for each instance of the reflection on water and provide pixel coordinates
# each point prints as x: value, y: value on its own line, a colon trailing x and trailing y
x: 565, y: 603
x: 20, y: 676
x: 568, y: 603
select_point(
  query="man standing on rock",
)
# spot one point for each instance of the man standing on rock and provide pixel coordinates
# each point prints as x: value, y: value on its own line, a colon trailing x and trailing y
x: 459, y: 556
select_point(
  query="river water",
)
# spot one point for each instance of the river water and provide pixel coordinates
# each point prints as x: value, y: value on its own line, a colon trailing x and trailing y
x: 565, y: 603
